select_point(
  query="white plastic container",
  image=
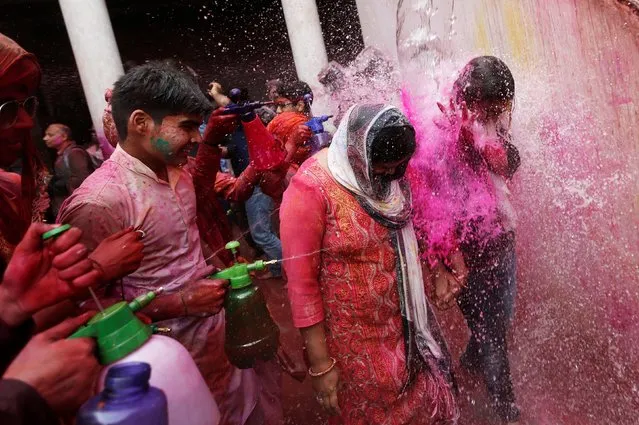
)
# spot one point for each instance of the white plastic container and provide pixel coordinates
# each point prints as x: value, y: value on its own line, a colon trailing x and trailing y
x: 174, y: 372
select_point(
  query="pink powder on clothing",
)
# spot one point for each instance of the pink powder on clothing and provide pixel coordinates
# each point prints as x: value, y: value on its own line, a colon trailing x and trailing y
x: 452, y: 201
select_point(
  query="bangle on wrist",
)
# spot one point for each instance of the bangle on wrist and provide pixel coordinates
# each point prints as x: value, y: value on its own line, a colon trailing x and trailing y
x: 325, y: 371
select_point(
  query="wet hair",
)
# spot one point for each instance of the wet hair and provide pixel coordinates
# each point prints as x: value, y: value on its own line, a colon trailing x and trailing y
x: 484, y: 79
x: 297, y: 90
x: 392, y: 144
x: 332, y: 76
x: 159, y: 89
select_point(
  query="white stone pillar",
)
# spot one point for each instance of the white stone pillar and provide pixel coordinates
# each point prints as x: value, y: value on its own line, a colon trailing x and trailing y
x: 378, y: 20
x: 305, y: 35
x: 95, y: 50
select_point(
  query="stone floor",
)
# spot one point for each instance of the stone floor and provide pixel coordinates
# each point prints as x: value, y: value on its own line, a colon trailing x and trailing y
x: 549, y: 390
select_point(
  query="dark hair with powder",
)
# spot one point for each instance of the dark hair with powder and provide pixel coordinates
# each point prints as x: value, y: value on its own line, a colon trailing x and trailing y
x: 392, y: 144
x: 484, y: 79
x: 159, y: 89
x: 296, y: 91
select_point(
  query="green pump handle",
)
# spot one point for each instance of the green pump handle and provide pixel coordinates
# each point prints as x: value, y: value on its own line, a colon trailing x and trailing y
x: 238, y: 274
x: 118, y: 332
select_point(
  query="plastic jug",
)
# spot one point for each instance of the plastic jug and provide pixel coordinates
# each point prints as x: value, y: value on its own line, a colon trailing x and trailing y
x: 320, y: 138
x: 250, y: 334
x: 121, y: 337
x: 127, y: 399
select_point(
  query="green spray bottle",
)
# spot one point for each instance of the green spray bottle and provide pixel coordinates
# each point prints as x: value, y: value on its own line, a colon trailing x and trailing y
x: 122, y: 338
x: 251, y: 334
x: 118, y: 332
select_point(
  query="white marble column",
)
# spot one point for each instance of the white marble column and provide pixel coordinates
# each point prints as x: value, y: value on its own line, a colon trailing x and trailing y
x: 305, y: 35
x: 95, y: 50
x: 378, y: 20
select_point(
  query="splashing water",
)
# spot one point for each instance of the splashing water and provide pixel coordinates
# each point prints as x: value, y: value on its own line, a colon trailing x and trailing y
x: 241, y: 235
x: 370, y: 78
x: 574, y: 356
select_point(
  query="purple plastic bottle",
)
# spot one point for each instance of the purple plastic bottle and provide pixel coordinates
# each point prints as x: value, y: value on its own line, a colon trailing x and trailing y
x: 127, y: 399
x: 320, y: 139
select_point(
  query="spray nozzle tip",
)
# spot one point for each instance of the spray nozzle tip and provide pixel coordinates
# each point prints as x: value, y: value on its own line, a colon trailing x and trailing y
x: 55, y: 232
x: 233, y: 245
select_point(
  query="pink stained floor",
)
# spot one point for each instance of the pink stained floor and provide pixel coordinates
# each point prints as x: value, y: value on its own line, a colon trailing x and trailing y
x: 569, y: 381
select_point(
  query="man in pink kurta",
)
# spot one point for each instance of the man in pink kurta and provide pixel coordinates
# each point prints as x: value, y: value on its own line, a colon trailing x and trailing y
x: 145, y: 185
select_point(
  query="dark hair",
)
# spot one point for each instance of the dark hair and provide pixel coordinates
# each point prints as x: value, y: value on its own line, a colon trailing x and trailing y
x: 332, y: 76
x: 392, y: 144
x: 484, y: 79
x: 295, y: 90
x: 159, y: 89
x: 128, y: 65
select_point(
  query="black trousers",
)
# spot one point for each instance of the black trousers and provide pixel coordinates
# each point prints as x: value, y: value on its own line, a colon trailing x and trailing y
x: 487, y: 305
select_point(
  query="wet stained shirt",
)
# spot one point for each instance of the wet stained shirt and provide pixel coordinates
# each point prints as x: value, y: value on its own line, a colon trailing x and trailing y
x: 124, y: 192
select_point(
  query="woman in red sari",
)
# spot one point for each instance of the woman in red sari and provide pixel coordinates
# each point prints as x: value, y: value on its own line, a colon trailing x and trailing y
x: 23, y: 198
x: 355, y: 281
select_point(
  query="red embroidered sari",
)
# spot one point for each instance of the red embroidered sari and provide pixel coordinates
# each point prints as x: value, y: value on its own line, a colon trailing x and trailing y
x: 350, y: 282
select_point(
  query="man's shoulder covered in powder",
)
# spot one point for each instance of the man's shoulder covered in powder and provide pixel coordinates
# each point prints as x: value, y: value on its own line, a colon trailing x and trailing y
x: 98, y: 206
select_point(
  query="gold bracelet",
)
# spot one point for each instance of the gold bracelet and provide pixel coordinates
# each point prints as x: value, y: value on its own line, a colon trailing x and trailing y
x: 186, y: 311
x: 324, y: 372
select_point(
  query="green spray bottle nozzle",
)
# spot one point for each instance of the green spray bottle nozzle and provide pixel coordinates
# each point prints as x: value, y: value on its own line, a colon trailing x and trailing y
x: 238, y: 274
x: 118, y: 332
x: 250, y: 333
x: 145, y: 299
x: 55, y: 232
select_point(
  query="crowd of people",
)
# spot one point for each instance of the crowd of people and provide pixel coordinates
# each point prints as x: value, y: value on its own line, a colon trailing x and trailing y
x: 155, y: 214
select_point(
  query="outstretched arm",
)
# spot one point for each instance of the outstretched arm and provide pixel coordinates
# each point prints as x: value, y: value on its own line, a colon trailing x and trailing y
x: 303, y: 218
